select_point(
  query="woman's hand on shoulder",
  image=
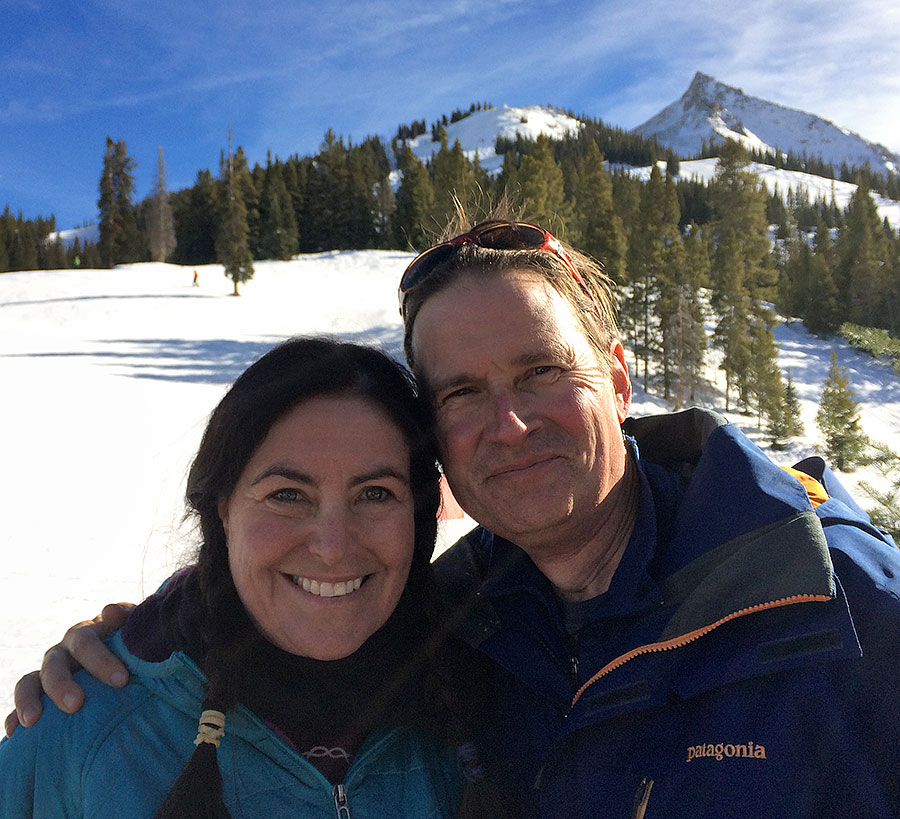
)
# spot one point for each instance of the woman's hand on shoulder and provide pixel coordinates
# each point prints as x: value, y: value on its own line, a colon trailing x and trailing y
x: 82, y: 647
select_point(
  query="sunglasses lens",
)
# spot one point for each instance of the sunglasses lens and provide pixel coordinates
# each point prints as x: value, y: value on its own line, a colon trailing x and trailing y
x: 512, y: 237
x: 422, y: 266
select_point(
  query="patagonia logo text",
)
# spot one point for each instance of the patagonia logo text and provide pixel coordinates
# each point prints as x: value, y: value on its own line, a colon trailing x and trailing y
x: 721, y: 750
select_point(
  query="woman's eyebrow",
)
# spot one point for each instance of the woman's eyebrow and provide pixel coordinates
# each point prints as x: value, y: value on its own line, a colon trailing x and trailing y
x: 381, y: 471
x: 284, y: 472
x: 298, y: 476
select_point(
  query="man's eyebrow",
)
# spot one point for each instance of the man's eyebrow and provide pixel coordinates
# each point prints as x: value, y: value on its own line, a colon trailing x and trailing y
x: 551, y: 350
x: 435, y: 387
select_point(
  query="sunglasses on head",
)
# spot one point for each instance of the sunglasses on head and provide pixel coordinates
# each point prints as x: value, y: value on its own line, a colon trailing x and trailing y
x: 492, y: 236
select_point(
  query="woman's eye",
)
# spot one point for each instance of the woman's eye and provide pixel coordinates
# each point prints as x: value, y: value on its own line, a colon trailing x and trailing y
x: 286, y: 495
x: 376, y: 493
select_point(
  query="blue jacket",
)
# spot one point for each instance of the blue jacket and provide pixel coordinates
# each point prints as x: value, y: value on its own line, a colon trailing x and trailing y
x: 744, y: 661
x: 121, y: 753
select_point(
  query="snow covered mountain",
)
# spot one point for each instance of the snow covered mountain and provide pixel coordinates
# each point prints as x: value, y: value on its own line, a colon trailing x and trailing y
x: 710, y: 110
x: 477, y: 133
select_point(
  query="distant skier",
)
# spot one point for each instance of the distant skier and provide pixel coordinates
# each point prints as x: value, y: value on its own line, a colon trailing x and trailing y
x: 196, y: 280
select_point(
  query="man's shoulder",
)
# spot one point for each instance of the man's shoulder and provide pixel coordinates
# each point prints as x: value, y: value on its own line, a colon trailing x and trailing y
x: 674, y: 439
x: 464, y: 564
x: 460, y: 571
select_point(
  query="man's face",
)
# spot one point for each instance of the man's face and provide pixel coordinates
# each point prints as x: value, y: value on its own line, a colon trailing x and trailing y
x: 528, y: 417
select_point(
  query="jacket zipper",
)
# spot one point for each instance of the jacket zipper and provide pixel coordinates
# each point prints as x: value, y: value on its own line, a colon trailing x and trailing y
x: 641, y: 798
x: 684, y: 639
x: 341, y: 805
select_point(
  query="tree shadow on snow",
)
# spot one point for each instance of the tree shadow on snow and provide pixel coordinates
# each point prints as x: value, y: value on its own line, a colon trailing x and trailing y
x: 205, y: 361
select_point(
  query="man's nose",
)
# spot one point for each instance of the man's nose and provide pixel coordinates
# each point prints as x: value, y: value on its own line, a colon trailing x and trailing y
x: 510, y: 418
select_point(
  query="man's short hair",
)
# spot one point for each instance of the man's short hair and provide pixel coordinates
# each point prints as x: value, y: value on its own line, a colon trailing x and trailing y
x: 596, y: 312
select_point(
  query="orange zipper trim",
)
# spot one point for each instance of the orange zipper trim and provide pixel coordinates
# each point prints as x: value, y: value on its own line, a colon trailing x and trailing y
x: 684, y: 639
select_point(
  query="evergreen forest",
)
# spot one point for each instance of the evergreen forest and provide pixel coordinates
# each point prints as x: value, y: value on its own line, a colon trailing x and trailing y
x: 663, y: 241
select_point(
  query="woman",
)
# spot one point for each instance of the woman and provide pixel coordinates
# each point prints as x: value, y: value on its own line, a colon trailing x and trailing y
x: 306, y: 635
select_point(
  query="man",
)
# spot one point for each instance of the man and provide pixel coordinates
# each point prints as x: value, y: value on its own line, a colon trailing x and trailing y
x: 675, y: 629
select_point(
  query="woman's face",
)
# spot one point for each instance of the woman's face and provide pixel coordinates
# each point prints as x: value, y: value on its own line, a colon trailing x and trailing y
x: 320, y: 528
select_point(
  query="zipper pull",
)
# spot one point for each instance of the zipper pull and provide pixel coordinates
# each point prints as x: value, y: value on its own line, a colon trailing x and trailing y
x: 341, y: 806
x: 573, y: 665
x: 641, y: 798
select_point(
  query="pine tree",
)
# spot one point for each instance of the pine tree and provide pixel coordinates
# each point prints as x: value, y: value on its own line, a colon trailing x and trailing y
x: 793, y: 421
x: 413, y: 220
x: 796, y: 271
x: 54, y: 255
x: 783, y: 419
x: 765, y: 384
x: 838, y: 419
x: 232, y: 250
x: 892, y: 273
x: 690, y: 317
x: 543, y: 192
x: 600, y: 229
x: 385, y: 206
x: 739, y: 205
x: 120, y: 240
x: 507, y: 183
x: 73, y: 257
x: 743, y: 272
x: 363, y: 173
x: 160, y: 222
x: 196, y: 211
x: 646, y: 258
x: 327, y: 207
x: 296, y: 173
x: 278, y: 226
x: 453, y: 177
x: 669, y: 283
x: 824, y: 311
x: 861, y: 273
x: 22, y: 252
x: 5, y: 238
x: 886, y: 512
x: 731, y: 302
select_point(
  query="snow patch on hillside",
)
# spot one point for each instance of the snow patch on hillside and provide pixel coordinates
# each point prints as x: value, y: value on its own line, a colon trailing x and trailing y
x: 782, y: 181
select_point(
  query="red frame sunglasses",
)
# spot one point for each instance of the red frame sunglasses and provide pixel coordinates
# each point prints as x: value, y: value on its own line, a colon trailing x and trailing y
x: 492, y: 236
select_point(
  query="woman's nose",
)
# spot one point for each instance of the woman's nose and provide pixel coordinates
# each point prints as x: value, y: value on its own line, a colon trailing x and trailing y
x: 331, y: 538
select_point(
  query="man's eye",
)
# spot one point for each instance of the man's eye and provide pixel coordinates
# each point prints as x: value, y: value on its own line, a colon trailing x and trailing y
x: 458, y: 393
x: 544, y: 369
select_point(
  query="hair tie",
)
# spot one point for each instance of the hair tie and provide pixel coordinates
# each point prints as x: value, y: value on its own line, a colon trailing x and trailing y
x: 211, y: 728
x: 467, y: 754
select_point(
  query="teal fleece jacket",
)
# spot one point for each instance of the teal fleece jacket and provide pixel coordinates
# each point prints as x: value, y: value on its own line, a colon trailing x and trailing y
x: 120, y: 754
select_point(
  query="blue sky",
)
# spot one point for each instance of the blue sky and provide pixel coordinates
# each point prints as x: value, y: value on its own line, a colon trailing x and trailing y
x: 175, y: 73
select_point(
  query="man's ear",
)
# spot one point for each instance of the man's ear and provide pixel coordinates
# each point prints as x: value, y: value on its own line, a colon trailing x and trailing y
x: 621, y: 381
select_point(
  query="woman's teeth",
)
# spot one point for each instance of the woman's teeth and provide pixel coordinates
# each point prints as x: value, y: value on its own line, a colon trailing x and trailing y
x: 328, y: 589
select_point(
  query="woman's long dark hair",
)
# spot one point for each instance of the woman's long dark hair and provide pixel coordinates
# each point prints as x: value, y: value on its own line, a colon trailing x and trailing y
x: 298, y: 370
